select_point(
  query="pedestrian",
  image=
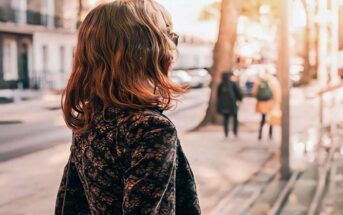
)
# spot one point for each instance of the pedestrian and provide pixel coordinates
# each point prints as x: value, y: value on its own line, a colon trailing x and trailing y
x: 228, y: 96
x: 267, y: 91
x: 125, y: 155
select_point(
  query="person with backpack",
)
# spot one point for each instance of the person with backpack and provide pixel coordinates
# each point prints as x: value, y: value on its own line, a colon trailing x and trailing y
x: 267, y: 91
x: 228, y: 95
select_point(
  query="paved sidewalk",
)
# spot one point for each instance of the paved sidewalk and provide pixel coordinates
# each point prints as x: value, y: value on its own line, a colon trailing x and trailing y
x: 30, y: 99
x: 29, y: 184
x: 218, y: 163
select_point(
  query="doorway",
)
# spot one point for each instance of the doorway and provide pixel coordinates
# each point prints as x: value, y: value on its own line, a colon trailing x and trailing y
x: 23, y: 66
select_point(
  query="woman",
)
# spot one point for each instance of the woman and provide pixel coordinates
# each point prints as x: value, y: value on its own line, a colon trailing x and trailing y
x: 267, y: 91
x: 125, y: 157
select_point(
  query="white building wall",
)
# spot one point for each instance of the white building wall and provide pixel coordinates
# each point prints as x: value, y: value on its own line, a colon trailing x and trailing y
x: 56, y: 75
x: 70, y: 8
x: 10, y: 59
x: 20, y: 6
x: 50, y: 12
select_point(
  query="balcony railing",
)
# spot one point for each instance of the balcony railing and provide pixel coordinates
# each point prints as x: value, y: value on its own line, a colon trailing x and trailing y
x: 8, y: 15
x: 32, y: 18
x: 36, y: 18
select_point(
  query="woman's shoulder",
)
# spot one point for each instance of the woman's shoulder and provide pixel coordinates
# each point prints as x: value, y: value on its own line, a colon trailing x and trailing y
x: 144, y: 120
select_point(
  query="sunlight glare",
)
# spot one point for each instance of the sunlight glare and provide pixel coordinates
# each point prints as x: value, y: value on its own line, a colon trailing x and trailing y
x: 92, y: 2
x: 264, y: 9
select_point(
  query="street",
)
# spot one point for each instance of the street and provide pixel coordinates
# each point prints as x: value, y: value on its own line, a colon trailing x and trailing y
x: 34, y: 125
x: 35, y: 128
x: 287, y: 54
x: 38, y: 124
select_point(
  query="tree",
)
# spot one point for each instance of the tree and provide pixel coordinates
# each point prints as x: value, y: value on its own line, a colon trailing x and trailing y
x: 306, y: 75
x: 80, y: 11
x: 223, y: 53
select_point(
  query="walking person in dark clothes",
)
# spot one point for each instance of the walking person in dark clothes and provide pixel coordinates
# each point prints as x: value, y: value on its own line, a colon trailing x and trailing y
x: 228, y: 95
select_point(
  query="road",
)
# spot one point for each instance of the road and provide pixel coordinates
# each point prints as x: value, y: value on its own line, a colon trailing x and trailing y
x: 30, y: 182
x: 37, y: 124
x: 220, y: 165
x: 30, y: 126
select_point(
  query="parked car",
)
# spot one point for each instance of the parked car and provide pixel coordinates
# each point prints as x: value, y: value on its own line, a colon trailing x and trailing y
x: 200, y: 78
x: 181, y: 77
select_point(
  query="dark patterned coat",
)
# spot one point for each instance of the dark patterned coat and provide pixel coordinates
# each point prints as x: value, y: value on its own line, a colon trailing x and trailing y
x: 128, y: 162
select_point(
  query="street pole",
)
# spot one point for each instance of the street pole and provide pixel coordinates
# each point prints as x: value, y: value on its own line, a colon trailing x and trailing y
x: 322, y: 61
x: 283, y: 75
x: 334, y: 46
x: 334, y: 49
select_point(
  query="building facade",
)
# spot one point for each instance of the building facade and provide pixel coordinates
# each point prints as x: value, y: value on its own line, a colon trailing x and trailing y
x: 37, y: 38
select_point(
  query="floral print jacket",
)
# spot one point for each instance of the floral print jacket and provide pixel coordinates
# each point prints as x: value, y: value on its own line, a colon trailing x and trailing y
x: 131, y: 163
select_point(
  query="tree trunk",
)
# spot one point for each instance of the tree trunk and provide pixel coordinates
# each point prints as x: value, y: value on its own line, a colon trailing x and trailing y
x: 306, y: 75
x: 223, y: 54
x: 79, y: 12
x: 314, y: 68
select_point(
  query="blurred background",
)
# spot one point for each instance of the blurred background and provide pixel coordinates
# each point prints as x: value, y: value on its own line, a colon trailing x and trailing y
x: 300, y: 42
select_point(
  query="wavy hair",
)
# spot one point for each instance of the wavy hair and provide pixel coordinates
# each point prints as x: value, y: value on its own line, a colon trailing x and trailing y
x: 122, y: 59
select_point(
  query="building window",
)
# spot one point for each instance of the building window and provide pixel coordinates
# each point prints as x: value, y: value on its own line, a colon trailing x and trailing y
x: 62, y: 59
x: 10, y: 59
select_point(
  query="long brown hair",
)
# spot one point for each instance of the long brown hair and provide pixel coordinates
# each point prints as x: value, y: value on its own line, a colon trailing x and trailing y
x: 122, y: 59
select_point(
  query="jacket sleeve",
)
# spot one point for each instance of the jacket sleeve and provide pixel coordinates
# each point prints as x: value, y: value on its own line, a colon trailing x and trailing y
x: 71, y: 198
x: 276, y: 90
x: 238, y: 91
x: 149, y: 182
x: 219, y: 91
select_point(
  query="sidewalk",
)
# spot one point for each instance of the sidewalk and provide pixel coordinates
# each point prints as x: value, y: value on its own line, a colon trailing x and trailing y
x: 29, y: 98
x: 218, y: 163
x: 8, y: 96
x: 29, y: 184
